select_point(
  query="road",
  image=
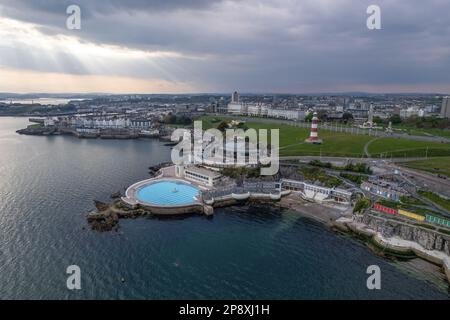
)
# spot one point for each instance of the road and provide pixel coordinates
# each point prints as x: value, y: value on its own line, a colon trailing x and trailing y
x: 426, y: 181
x: 366, y: 147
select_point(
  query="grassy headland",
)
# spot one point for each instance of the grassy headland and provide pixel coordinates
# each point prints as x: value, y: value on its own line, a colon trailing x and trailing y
x: 339, y: 143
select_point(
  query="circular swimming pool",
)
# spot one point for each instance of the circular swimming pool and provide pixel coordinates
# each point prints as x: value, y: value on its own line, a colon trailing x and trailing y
x: 168, y: 193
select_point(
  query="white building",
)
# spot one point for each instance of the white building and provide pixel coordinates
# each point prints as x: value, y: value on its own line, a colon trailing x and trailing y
x: 238, y: 154
x: 109, y: 123
x: 411, y: 111
x: 263, y: 110
x: 254, y: 110
x: 287, y: 114
x: 49, y: 122
x: 316, y: 193
x: 236, y: 108
x: 142, y: 124
x: 198, y: 175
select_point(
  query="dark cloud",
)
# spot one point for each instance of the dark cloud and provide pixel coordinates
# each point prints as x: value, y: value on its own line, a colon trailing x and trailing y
x: 106, y: 6
x: 264, y: 45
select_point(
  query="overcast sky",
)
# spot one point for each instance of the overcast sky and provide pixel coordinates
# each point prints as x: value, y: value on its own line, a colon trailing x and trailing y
x: 272, y: 46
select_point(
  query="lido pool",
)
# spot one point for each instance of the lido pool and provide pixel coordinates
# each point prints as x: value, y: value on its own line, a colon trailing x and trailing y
x: 168, y: 193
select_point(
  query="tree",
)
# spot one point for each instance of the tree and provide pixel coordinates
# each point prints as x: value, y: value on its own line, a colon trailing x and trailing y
x: 183, y: 120
x: 395, y: 119
x: 309, y: 117
x: 222, y: 126
x: 377, y: 120
x: 170, y: 119
x: 322, y: 115
x: 361, y: 205
x: 347, y: 116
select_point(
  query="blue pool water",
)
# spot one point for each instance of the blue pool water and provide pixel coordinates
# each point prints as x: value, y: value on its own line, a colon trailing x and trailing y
x: 168, y: 193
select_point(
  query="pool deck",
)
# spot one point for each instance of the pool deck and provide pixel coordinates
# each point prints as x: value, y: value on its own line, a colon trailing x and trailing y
x: 165, y: 174
x: 201, y: 205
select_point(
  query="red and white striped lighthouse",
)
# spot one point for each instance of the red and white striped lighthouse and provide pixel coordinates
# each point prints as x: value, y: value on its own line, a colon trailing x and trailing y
x: 313, y: 137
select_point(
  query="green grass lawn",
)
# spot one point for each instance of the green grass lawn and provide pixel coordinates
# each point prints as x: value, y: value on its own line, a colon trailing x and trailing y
x: 439, y: 165
x: 338, y: 143
x: 334, y: 143
x: 407, y: 148
x: 424, y: 131
x: 292, y: 140
x: 437, y: 132
x: 313, y: 174
x: 35, y: 126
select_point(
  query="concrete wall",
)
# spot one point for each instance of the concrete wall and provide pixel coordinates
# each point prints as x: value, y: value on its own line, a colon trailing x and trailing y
x: 159, y: 210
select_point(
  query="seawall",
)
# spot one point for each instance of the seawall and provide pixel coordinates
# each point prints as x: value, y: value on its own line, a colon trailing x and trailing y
x: 404, y: 240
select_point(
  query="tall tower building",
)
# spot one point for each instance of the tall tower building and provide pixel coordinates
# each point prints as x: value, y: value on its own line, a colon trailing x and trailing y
x: 445, y: 109
x: 370, y: 117
x: 235, y: 97
x: 314, y: 136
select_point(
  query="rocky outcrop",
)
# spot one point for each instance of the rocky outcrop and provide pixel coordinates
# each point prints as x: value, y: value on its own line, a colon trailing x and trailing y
x: 208, y: 210
x: 38, y: 131
x: 101, y: 206
x: 427, y: 238
x: 153, y: 170
x: 103, y: 221
x: 116, y: 195
x: 107, y: 216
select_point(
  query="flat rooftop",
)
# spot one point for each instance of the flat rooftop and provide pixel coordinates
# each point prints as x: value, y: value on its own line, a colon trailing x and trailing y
x: 203, y: 172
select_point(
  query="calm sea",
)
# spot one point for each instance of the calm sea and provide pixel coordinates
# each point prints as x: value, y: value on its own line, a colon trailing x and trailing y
x: 48, y: 184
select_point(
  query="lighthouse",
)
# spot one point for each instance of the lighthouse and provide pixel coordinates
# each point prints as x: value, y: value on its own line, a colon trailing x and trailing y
x: 313, y: 137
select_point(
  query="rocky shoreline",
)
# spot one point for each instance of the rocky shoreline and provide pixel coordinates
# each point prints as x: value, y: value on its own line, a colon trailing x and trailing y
x: 153, y: 170
x: 395, y: 239
x: 40, y: 131
x: 391, y: 239
x: 427, y: 238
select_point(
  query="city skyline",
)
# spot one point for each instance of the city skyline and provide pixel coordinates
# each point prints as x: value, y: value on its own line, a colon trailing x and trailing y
x: 265, y: 46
